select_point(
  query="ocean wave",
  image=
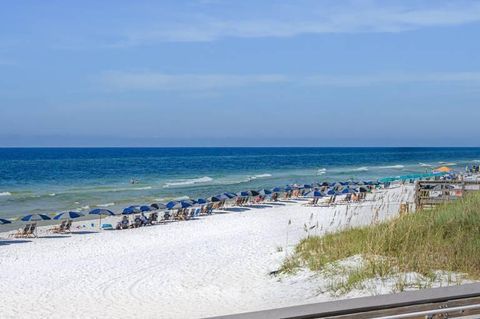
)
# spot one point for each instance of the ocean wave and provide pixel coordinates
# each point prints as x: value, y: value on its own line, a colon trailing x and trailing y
x: 447, y: 163
x: 254, y: 177
x: 187, y: 182
x: 321, y: 171
x: 262, y: 175
x: 360, y: 169
x: 5, y: 194
x: 424, y: 165
x: 106, y: 205
x: 52, y: 194
x: 393, y: 166
x: 86, y: 207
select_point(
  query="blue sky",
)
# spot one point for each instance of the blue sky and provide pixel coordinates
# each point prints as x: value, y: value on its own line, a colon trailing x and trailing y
x: 240, y: 73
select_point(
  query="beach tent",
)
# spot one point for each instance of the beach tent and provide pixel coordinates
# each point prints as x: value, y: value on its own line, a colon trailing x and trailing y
x: 68, y: 215
x: 34, y: 218
x: 4, y: 221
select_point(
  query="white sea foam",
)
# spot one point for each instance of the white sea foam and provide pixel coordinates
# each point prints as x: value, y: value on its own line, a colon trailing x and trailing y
x: 424, y: 165
x: 52, y: 194
x: 86, y: 207
x: 186, y: 182
x: 5, y: 194
x: 361, y: 169
x: 321, y: 171
x: 106, y: 205
x: 262, y: 175
x: 254, y: 177
x: 393, y: 166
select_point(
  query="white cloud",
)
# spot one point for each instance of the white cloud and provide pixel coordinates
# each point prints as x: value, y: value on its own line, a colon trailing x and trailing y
x: 151, y: 81
x: 308, y: 17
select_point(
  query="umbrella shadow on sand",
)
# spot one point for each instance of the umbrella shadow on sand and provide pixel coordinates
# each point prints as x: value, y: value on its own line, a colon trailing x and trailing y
x: 236, y: 209
x: 10, y: 242
x: 54, y: 236
x: 83, y: 232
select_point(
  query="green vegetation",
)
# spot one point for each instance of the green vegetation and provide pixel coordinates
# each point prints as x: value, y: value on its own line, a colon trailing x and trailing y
x: 446, y: 238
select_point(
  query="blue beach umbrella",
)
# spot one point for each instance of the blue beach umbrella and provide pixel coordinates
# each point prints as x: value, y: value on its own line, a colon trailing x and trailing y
x: 314, y: 194
x: 34, y: 218
x: 158, y: 206
x: 145, y: 208
x: 131, y: 210
x: 201, y: 201
x: 264, y: 192
x: 278, y: 190
x: 230, y: 195
x: 214, y: 199
x: 178, y: 205
x: 4, y: 221
x: 68, y: 215
x: 100, y: 212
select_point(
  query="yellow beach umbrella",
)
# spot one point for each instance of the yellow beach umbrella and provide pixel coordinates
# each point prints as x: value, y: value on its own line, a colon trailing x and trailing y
x: 443, y: 169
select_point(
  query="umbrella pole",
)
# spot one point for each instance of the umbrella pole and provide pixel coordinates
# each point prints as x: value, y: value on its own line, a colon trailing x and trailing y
x: 100, y: 222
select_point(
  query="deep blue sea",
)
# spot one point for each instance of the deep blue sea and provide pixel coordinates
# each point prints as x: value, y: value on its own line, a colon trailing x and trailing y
x: 57, y: 179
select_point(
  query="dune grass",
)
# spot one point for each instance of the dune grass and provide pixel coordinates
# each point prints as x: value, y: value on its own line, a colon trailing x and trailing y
x: 446, y: 238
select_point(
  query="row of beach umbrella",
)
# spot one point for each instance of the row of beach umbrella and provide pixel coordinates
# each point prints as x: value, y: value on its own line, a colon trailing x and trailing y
x: 329, y: 189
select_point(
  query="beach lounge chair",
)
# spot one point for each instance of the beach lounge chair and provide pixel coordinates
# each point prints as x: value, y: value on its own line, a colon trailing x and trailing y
x: 68, y: 226
x: 59, y: 228
x: 21, y: 232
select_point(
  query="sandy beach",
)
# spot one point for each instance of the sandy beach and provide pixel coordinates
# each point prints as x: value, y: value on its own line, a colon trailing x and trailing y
x: 214, y: 265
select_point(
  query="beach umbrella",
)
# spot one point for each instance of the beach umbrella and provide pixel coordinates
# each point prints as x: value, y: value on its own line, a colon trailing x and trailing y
x: 230, y: 195
x: 324, y: 184
x: 34, y: 218
x: 214, y: 199
x: 4, y: 221
x: 265, y: 192
x: 314, y: 194
x: 307, y: 186
x: 178, y: 204
x: 363, y: 189
x: 145, y: 208
x: 222, y: 197
x: 201, y: 201
x: 158, y: 206
x: 131, y: 210
x: 278, y: 190
x: 100, y: 212
x: 68, y: 215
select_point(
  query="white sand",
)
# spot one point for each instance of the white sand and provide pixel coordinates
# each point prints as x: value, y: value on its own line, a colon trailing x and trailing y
x: 215, y: 265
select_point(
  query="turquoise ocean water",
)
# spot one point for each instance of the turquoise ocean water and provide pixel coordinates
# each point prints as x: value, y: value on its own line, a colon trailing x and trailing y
x: 57, y: 179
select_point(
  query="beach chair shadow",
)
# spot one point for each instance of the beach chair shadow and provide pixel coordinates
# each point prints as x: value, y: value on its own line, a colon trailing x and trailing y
x: 260, y: 206
x: 276, y: 204
x: 236, y: 209
x: 83, y: 232
x: 54, y: 236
